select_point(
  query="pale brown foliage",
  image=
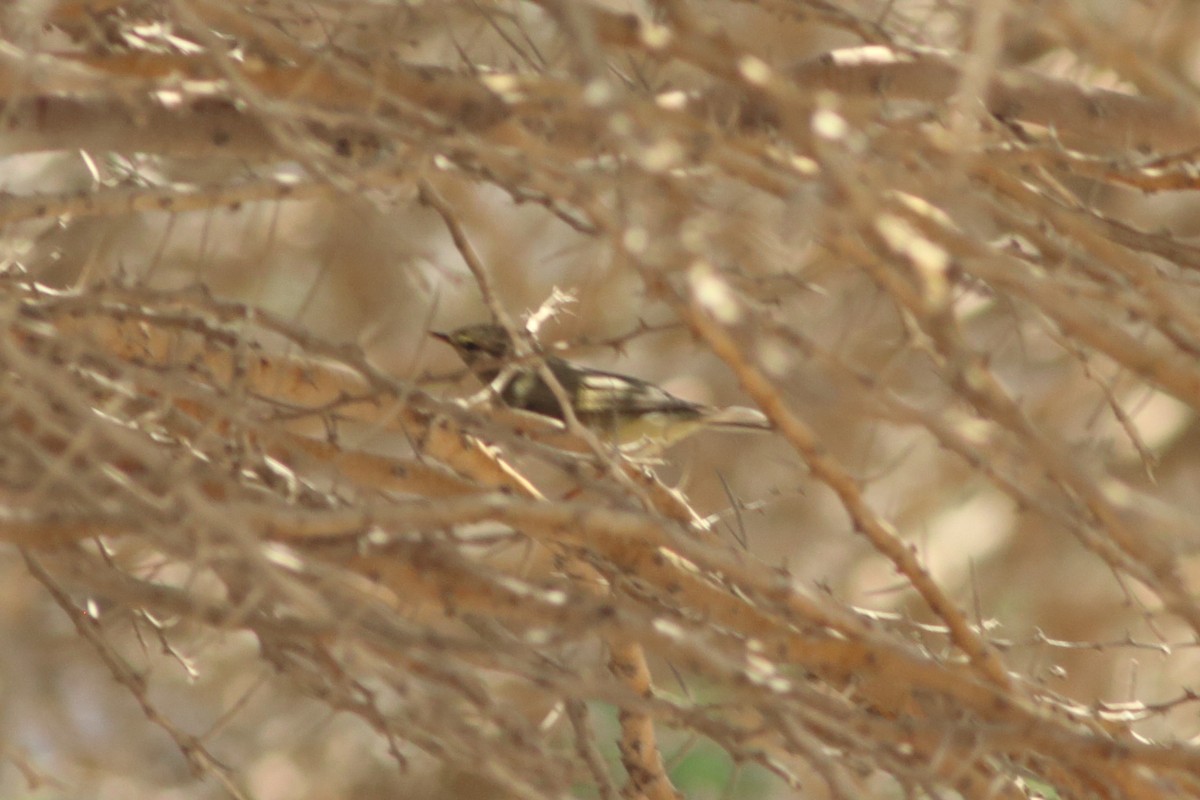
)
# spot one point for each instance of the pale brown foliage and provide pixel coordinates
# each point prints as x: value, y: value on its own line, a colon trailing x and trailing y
x: 947, y: 249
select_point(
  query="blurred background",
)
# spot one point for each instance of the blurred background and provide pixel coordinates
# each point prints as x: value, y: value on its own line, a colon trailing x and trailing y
x: 960, y: 252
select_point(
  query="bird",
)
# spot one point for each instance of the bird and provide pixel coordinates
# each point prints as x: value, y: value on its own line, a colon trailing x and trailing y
x: 620, y: 408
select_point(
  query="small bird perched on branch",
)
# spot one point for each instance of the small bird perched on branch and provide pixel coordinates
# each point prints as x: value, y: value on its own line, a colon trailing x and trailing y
x: 618, y: 407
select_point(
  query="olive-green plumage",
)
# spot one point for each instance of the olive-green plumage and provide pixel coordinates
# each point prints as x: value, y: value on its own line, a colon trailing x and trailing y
x: 616, y: 406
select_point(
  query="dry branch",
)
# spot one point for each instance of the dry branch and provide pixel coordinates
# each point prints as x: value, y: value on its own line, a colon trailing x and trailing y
x: 953, y: 263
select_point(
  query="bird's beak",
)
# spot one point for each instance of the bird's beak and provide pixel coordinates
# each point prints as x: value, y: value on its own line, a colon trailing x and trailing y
x: 445, y: 337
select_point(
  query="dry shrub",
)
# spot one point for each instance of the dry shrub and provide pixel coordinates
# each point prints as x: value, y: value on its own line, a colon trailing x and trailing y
x: 264, y: 538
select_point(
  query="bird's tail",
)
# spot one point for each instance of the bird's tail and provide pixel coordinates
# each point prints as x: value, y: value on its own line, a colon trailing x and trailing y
x: 738, y: 418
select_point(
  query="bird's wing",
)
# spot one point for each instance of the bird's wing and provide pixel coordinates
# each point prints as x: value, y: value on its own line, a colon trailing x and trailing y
x: 601, y: 392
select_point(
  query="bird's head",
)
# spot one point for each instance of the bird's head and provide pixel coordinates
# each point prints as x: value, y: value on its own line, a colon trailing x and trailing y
x: 484, y: 347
